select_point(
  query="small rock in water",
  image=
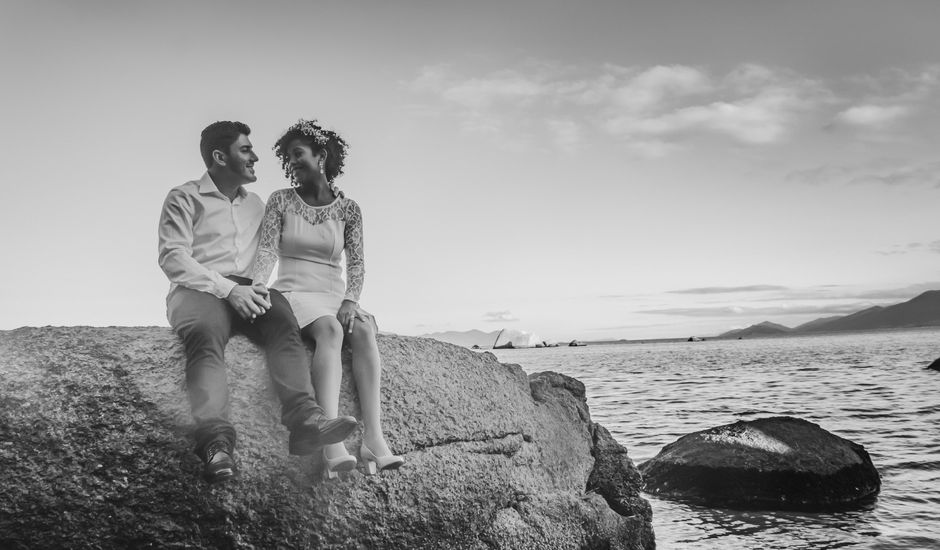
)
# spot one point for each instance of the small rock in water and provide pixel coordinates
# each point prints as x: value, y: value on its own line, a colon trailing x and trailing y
x: 770, y: 463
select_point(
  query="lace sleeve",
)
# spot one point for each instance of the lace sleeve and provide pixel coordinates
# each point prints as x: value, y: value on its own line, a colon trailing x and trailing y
x: 270, y: 239
x: 355, y: 261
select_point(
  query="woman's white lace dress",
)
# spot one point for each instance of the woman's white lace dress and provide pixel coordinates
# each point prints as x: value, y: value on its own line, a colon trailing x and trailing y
x: 307, y: 243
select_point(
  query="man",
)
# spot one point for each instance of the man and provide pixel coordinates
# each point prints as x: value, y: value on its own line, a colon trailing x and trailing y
x: 208, y: 235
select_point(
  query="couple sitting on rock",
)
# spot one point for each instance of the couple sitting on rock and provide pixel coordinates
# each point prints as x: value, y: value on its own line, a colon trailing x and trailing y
x: 218, y: 245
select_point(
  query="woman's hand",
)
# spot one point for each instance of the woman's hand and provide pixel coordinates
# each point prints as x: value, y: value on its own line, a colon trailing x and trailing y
x: 347, y: 314
x: 337, y: 192
x: 249, y: 302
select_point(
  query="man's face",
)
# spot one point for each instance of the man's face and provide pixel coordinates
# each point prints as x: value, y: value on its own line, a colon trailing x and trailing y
x: 240, y: 160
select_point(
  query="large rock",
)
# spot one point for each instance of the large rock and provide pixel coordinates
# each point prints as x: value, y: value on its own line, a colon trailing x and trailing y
x: 95, y: 452
x: 771, y: 463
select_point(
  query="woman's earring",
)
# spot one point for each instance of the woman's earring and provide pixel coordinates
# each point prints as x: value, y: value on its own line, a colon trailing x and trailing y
x: 321, y: 167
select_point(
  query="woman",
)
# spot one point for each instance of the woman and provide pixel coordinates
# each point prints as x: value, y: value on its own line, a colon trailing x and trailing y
x: 305, y: 230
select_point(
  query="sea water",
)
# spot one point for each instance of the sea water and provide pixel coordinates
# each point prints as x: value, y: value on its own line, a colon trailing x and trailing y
x: 871, y: 388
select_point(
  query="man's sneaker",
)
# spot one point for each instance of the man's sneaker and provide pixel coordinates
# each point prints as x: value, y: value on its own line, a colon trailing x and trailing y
x: 317, y: 431
x: 219, y: 463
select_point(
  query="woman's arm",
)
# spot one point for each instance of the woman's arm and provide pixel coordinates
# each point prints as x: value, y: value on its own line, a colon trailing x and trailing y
x: 270, y: 239
x: 355, y: 260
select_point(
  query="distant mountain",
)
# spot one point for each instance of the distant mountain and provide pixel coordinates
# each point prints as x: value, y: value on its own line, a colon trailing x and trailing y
x: 811, y: 324
x: 467, y: 338
x: 860, y: 320
x: 759, y: 330
x: 921, y: 311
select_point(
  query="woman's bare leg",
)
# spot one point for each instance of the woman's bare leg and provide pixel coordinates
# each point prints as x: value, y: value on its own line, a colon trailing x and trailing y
x: 367, y: 371
x: 327, y: 370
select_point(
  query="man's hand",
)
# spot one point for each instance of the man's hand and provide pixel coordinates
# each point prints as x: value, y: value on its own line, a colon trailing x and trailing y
x: 249, y: 301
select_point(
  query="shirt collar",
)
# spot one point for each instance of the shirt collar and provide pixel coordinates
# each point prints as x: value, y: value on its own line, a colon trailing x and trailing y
x: 207, y: 186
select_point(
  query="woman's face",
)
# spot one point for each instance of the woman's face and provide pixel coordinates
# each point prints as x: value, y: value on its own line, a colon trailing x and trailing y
x: 303, y: 162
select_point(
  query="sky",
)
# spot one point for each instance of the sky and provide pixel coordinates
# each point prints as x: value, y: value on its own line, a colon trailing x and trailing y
x: 590, y: 170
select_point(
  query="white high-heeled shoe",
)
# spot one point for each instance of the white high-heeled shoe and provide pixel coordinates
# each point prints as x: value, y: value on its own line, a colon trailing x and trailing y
x: 374, y: 464
x: 334, y: 466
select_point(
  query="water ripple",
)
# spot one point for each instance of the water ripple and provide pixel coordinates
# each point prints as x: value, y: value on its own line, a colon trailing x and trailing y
x: 871, y: 388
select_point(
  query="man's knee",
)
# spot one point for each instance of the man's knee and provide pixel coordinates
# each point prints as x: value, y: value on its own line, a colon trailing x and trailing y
x: 199, y: 318
x: 205, y: 332
x: 280, y: 312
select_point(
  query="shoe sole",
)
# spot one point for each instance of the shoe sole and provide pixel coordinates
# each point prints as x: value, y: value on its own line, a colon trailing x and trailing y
x: 308, y: 443
x: 372, y: 468
x: 344, y: 467
x: 222, y: 475
x: 341, y: 468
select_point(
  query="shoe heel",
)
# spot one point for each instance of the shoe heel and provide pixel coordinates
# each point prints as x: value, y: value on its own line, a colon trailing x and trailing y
x: 339, y: 465
x: 375, y: 464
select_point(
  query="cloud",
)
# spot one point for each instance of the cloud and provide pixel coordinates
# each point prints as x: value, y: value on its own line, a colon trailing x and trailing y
x: 872, y: 115
x: 898, y: 85
x: 898, y: 250
x: 656, y: 110
x: 876, y: 105
x: 478, y: 92
x: 727, y: 289
x: 738, y: 311
x: 650, y: 88
x: 889, y: 173
x: 915, y: 174
x: 842, y: 293
x: 504, y: 316
x: 900, y: 294
x: 651, y: 111
x: 820, y: 300
x: 754, y: 106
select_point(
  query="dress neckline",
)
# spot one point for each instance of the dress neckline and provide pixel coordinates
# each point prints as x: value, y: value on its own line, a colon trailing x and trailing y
x: 308, y: 205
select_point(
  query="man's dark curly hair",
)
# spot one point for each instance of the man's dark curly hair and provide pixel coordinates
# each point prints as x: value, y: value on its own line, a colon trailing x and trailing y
x: 220, y: 136
x: 319, y: 139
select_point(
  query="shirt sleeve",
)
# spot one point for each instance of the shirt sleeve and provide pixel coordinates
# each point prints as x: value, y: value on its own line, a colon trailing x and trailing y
x: 175, y: 249
x: 270, y: 239
x: 355, y: 259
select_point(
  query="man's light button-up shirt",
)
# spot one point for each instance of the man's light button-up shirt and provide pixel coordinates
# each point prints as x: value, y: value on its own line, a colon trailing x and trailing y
x: 203, y: 236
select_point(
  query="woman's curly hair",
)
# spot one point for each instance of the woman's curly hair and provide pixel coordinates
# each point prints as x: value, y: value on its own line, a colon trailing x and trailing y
x: 319, y: 139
